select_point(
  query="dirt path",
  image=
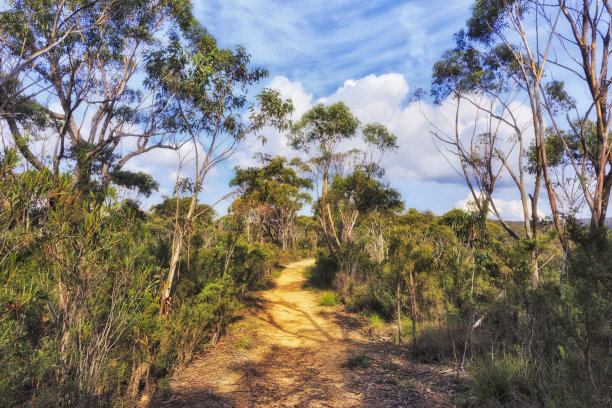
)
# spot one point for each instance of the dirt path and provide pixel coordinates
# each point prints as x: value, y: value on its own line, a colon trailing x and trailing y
x: 288, y: 351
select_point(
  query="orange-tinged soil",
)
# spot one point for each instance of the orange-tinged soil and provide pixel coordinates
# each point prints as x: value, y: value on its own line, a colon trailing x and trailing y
x: 288, y: 351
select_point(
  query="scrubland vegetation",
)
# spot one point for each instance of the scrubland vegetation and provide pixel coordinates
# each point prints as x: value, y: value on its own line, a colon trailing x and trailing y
x: 101, y: 300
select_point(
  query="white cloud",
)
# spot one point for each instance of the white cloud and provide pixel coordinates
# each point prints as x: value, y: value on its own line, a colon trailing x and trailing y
x: 509, y: 210
x: 382, y: 98
x: 302, y: 101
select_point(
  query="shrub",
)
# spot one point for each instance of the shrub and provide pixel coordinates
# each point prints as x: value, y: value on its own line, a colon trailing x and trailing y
x: 324, y: 272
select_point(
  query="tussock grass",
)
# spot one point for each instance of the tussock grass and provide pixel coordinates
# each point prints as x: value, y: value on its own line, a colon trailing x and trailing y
x: 243, y: 344
x: 328, y: 298
x: 501, y: 381
x: 375, y: 320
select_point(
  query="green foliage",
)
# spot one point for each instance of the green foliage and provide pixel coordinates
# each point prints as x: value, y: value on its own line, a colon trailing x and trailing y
x: 467, y: 286
x: 271, y: 198
x: 501, y: 381
x: 79, y: 290
x: 65, y: 45
x: 70, y: 290
x: 582, y: 135
x: 205, y: 90
x: 320, y: 124
x: 327, y: 298
x: 488, y: 18
x: 374, y: 320
x: 243, y: 344
x: 323, y: 274
x: 378, y: 135
x: 363, y: 193
x: 144, y: 183
x: 459, y: 70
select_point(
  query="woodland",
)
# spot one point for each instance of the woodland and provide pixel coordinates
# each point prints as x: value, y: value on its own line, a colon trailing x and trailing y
x: 102, y: 300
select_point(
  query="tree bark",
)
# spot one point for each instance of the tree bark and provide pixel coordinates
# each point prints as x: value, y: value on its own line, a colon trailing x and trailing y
x: 399, y: 313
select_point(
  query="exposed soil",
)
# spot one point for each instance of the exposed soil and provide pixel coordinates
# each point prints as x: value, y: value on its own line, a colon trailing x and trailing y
x: 287, y: 351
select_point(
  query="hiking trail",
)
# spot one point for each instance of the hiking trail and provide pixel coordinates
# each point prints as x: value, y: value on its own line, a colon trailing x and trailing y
x: 287, y: 351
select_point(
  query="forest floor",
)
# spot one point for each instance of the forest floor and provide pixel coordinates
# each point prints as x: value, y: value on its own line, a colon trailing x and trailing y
x: 287, y: 351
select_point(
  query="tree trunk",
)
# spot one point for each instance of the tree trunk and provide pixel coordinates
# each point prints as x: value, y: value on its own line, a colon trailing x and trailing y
x: 138, y: 373
x: 565, y: 247
x: 177, y: 248
x: 414, y: 314
x: 399, y: 314
x: 535, y: 277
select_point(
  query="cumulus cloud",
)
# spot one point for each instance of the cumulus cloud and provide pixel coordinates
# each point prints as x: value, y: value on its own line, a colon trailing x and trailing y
x: 509, y: 210
x: 382, y: 98
x: 302, y: 100
x: 372, y: 98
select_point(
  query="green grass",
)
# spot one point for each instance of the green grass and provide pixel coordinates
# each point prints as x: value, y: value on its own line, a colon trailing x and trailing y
x: 501, y: 380
x: 390, y: 366
x: 328, y: 298
x: 276, y: 272
x: 359, y: 360
x: 406, y: 329
x: 242, y: 344
x: 375, y: 320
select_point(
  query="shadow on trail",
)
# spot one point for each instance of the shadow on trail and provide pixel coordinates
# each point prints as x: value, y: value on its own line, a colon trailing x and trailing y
x: 303, y: 377
x: 316, y: 327
x: 306, y: 356
x: 291, y: 375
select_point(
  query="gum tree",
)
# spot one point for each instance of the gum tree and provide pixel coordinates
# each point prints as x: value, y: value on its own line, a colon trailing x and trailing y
x: 76, y: 82
x: 515, y: 52
x: 274, y: 193
x: 320, y: 135
x: 205, y: 92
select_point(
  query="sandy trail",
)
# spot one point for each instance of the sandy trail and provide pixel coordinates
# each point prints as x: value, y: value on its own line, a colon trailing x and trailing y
x: 297, y: 357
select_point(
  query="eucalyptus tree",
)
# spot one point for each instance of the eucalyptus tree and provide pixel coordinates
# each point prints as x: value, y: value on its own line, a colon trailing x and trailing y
x: 511, y: 54
x: 76, y: 81
x: 205, y: 94
x: 479, y: 86
x: 275, y: 192
x: 559, y: 42
x: 21, y: 43
x: 498, y: 29
x: 586, y: 45
x: 321, y: 134
x: 355, y: 195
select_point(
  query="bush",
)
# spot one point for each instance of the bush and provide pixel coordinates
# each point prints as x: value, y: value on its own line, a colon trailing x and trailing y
x: 324, y: 272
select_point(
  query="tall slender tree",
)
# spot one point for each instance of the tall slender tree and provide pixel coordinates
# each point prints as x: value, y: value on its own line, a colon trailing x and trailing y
x: 205, y: 92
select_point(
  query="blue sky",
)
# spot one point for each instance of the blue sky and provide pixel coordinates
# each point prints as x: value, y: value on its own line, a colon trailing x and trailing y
x: 368, y: 54
x: 322, y: 43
